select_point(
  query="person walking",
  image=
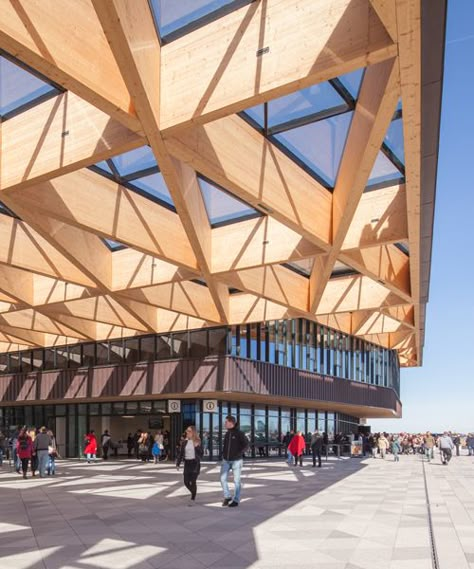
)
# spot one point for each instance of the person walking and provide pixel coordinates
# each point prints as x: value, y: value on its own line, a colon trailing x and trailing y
x: 383, y: 445
x: 41, y: 446
x: 296, y: 447
x: 429, y: 443
x: 191, y: 452
x: 3, y: 447
x: 24, y: 449
x: 396, y: 448
x: 52, y: 454
x: 144, y: 447
x: 316, y: 447
x: 456, y: 442
x: 34, y: 456
x: 90, y: 446
x: 130, y: 445
x: 446, y: 447
x: 235, y: 444
x: 286, y: 441
x: 105, y: 441
x: 470, y: 444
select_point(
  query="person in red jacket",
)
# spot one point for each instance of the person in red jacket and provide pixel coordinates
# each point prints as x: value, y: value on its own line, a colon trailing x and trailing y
x: 90, y: 446
x: 296, y: 447
x: 24, y: 449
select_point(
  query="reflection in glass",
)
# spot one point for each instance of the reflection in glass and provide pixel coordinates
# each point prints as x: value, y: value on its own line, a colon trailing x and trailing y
x: 319, y: 145
x: 171, y: 15
x: 19, y: 87
x: 221, y: 206
x: 134, y: 161
x: 383, y: 171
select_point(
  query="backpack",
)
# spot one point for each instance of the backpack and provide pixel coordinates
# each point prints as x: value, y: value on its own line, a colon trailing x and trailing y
x: 23, y: 443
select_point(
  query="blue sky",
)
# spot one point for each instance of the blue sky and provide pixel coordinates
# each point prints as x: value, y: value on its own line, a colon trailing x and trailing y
x: 440, y: 394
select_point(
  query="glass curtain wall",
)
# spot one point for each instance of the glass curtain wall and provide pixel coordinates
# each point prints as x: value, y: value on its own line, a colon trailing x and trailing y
x: 298, y: 344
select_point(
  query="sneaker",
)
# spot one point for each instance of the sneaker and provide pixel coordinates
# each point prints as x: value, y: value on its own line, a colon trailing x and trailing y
x: 226, y: 501
x: 191, y: 503
x: 233, y: 504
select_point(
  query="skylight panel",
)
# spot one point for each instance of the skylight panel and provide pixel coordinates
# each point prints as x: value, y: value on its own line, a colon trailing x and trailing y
x: 114, y: 245
x: 302, y: 267
x: 19, y: 88
x: 134, y: 161
x: 319, y: 145
x: 221, y: 207
x: 384, y: 171
x: 104, y: 166
x: 352, y: 81
x: 303, y: 104
x: 153, y: 186
x: 394, y: 139
x: 176, y: 17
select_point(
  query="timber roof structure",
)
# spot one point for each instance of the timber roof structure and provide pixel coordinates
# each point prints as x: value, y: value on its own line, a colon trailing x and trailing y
x: 171, y: 165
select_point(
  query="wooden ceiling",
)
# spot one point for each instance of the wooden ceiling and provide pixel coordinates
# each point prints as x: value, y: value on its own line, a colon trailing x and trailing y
x: 58, y: 282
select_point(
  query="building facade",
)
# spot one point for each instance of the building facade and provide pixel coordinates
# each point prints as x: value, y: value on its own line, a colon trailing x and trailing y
x: 273, y: 376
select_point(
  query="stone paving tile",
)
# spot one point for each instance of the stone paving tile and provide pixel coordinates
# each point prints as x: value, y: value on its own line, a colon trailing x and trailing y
x: 351, y: 514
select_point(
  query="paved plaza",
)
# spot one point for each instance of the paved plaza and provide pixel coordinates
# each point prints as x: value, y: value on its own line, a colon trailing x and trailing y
x: 350, y: 514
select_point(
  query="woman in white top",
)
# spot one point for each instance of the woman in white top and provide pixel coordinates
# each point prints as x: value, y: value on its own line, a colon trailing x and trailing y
x: 191, y: 452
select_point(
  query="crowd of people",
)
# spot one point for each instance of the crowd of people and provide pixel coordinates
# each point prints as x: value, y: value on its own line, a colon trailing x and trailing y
x: 379, y: 444
x: 30, y: 447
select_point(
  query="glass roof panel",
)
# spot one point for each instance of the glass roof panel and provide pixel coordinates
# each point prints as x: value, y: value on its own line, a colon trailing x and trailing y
x: 383, y: 170
x: 304, y: 266
x: 319, y: 145
x: 257, y: 114
x: 114, y: 245
x: 19, y: 87
x: 352, y: 81
x: 154, y: 186
x: 303, y: 103
x: 134, y: 161
x: 394, y: 139
x: 104, y: 166
x: 172, y: 15
x: 221, y: 207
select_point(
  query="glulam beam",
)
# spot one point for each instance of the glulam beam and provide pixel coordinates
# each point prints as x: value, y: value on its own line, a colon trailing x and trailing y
x: 256, y: 53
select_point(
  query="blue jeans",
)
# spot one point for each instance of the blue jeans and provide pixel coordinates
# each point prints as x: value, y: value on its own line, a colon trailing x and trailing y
x: 289, y: 457
x: 1, y: 457
x: 51, y: 466
x: 236, y: 467
x: 429, y: 453
x: 43, y: 458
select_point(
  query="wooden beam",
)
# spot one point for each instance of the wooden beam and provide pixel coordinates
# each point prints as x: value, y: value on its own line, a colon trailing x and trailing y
x: 217, y: 70
x: 17, y: 284
x: 35, y: 321
x: 386, y: 11
x: 22, y: 247
x: 65, y: 42
x: 250, y: 308
x: 134, y: 269
x: 92, y: 202
x: 259, y: 174
x: 23, y: 336
x: 275, y: 283
x: 99, y: 309
x: 185, y: 297
x: 369, y: 322
x: 348, y: 294
x: 376, y: 104
x: 380, y: 219
x: 256, y: 242
x: 131, y: 33
x: 386, y: 264
x: 58, y: 136
x: 404, y: 314
x: 409, y: 38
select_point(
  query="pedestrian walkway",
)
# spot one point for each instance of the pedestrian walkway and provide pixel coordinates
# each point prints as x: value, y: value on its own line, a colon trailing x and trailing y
x: 350, y: 514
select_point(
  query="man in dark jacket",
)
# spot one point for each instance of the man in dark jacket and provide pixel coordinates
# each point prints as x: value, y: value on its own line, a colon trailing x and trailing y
x: 235, y: 443
x: 316, y: 447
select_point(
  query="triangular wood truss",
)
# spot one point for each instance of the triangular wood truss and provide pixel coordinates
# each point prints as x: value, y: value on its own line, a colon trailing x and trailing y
x: 58, y: 282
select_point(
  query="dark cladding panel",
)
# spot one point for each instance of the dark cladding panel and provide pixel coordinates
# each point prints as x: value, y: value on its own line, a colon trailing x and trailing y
x: 215, y: 374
